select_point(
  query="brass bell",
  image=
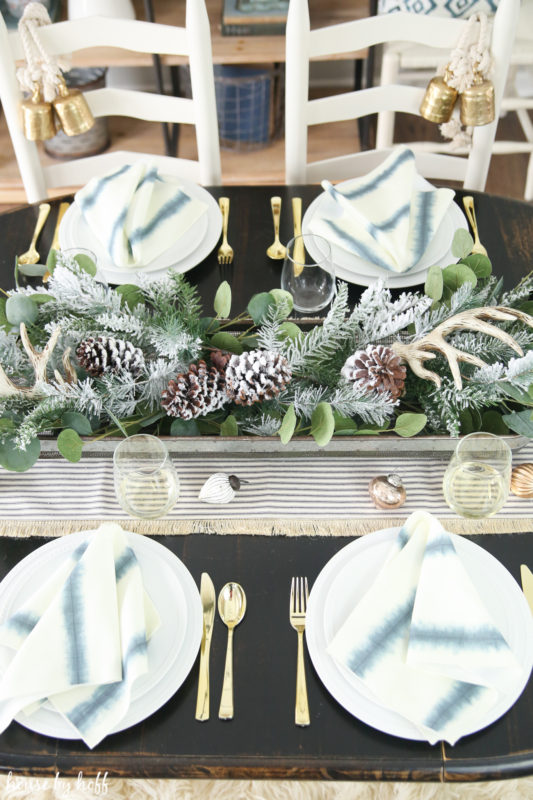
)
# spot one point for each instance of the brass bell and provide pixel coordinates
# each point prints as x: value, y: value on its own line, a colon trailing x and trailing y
x: 74, y: 114
x: 439, y: 100
x: 477, y: 103
x: 37, y: 118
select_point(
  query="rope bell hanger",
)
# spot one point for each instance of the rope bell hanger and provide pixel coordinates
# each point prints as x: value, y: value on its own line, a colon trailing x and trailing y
x: 42, y: 77
x: 465, y: 77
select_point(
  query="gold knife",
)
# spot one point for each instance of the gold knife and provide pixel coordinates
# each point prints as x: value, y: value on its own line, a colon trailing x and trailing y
x: 55, y: 241
x: 298, y: 252
x: 527, y: 584
x: 207, y: 596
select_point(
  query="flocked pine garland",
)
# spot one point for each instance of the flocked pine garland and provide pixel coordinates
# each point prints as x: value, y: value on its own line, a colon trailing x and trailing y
x: 144, y: 358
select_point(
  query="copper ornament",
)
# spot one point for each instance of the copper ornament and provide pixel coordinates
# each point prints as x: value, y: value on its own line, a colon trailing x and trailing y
x: 387, y: 491
x: 522, y: 480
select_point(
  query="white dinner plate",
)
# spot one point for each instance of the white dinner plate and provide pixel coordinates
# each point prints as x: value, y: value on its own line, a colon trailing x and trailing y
x: 353, y: 269
x: 346, y: 578
x: 172, y: 649
x: 188, y: 251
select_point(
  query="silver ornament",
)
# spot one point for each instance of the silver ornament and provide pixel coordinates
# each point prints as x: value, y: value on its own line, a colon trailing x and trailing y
x: 220, y: 488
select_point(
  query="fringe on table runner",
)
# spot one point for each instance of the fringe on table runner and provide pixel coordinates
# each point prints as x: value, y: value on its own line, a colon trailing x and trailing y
x: 260, y: 527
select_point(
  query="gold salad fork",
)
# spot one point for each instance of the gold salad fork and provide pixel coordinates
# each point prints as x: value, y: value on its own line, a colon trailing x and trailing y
x: 225, y: 251
x: 468, y: 203
x: 31, y: 256
x: 297, y: 612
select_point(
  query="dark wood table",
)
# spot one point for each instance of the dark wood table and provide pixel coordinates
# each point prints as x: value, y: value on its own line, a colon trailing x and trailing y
x: 262, y: 741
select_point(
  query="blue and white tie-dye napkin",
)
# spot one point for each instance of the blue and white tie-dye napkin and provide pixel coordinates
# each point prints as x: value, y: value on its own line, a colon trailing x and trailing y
x: 80, y: 641
x: 384, y: 217
x: 136, y: 214
x: 421, y: 641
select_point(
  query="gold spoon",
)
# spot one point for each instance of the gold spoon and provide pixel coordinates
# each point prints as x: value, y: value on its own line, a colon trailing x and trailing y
x: 231, y: 607
x: 468, y: 203
x: 276, y: 249
x: 31, y: 256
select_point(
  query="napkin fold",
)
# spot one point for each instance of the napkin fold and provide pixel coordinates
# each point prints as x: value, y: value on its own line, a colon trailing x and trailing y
x: 384, y: 217
x: 421, y: 641
x: 136, y: 214
x: 80, y: 641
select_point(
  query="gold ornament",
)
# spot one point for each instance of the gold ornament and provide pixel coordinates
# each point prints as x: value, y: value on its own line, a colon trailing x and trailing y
x: 74, y: 114
x: 38, y: 121
x: 439, y: 100
x: 387, y: 491
x: 522, y: 480
x: 477, y: 102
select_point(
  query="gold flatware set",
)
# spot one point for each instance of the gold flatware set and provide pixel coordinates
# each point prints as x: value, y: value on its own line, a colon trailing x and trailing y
x: 468, y: 203
x: 31, y: 256
x: 277, y: 250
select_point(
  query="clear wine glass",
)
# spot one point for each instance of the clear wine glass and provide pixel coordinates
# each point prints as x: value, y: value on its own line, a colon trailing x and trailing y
x: 146, y: 482
x: 308, y: 273
x: 478, y: 478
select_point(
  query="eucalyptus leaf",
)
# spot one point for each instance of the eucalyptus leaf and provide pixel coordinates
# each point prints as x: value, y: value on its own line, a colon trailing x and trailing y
x: 288, y: 425
x: 131, y: 294
x: 289, y: 330
x: 322, y: 424
x: 456, y: 275
x: 520, y: 422
x: 51, y: 261
x: 466, y: 421
x: 210, y: 324
x: 15, y: 460
x: 78, y: 422
x: 39, y: 299
x: 226, y: 341
x: 344, y: 424
x: 7, y: 424
x: 33, y: 270
x: 70, y: 445
x: 19, y: 308
x: 222, y: 301
x: 410, y: 424
x: 527, y: 307
x: 4, y: 322
x: 229, y: 427
x: 86, y: 263
x: 434, y: 283
x: 521, y: 396
x: 259, y: 306
x: 184, y: 427
x: 144, y: 423
x: 462, y: 243
x: 284, y: 298
x: 493, y: 422
x: 480, y: 265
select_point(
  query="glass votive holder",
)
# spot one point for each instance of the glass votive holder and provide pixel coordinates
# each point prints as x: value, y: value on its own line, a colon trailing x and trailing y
x: 478, y: 478
x: 308, y: 273
x: 85, y: 258
x: 146, y: 482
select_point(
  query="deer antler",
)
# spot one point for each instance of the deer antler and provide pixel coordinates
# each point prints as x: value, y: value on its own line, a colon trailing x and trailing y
x: 38, y: 362
x: 417, y: 352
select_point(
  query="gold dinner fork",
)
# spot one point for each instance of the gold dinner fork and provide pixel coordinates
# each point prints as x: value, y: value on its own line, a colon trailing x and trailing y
x: 225, y: 251
x: 468, y: 203
x: 297, y: 612
x: 31, y: 256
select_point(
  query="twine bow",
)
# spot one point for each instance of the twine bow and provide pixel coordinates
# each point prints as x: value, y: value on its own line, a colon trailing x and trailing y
x: 41, y: 69
x: 470, y: 58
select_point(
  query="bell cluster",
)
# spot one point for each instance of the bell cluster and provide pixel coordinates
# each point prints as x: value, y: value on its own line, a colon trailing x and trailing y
x: 476, y: 102
x: 68, y: 112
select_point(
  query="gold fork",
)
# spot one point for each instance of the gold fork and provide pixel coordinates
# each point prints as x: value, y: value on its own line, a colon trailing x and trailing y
x: 225, y: 251
x: 297, y: 612
x: 31, y: 256
x: 468, y: 203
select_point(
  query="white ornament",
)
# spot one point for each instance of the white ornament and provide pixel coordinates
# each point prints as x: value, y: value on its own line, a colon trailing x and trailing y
x: 220, y: 488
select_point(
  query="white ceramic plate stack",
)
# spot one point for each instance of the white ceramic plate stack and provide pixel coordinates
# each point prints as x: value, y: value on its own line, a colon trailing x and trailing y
x: 172, y: 649
x: 347, y: 577
x: 184, y: 254
x: 354, y: 269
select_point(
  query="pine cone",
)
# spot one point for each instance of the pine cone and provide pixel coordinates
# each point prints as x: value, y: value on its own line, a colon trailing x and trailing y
x: 220, y: 359
x: 256, y: 375
x: 106, y: 354
x: 194, y: 393
x: 378, y: 368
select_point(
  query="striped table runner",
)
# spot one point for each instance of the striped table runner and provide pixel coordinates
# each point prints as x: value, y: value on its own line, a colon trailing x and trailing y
x: 305, y: 495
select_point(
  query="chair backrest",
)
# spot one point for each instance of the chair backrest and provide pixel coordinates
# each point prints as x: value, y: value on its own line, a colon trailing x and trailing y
x: 302, y: 44
x: 193, y: 41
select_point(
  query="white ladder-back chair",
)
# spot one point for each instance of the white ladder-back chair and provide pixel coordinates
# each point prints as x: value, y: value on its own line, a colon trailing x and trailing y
x: 192, y: 41
x: 413, y: 63
x: 303, y: 44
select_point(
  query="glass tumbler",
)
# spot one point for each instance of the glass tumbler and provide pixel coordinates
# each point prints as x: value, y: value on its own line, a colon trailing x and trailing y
x: 308, y: 273
x: 84, y: 257
x: 478, y: 477
x: 146, y: 482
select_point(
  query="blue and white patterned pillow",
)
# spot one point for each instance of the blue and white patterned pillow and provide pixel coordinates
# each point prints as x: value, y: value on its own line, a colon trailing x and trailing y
x: 440, y: 8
